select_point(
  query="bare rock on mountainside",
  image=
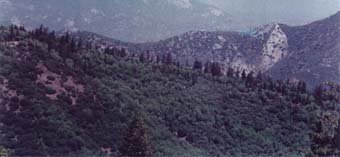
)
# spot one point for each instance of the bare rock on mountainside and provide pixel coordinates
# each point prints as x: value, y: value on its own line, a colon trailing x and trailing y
x: 310, y: 52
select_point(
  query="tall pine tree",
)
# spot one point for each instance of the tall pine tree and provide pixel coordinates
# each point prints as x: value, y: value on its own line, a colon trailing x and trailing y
x: 136, y: 141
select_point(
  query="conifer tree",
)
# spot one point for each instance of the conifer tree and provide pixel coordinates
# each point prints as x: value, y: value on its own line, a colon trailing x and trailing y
x: 250, y: 79
x: 237, y: 74
x: 148, y: 56
x: 168, y: 59
x: 318, y: 92
x: 197, y: 66
x: 216, y: 69
x: 230, y: 72
x: 324, y: 142
x: 207, y: 67
x: 259, y: 77
x: 122, y: 53
x: 80, y: 43
x: 302, y: 87
x: 244, y: 75
x: 136, y: 141
x: 336, y: 139
x: 158, y: 59
x: 142, y: 58
x: 11, y: 32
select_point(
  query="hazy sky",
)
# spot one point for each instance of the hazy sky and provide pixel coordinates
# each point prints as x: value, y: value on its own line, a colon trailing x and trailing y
x: 293, y: 12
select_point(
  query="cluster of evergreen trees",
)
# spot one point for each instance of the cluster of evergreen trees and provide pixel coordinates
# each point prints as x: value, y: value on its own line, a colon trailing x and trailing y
x: 325, y: 139
x: 166, y: 59
x: 39, y: 129
x: 137, y: 141
x: 32, y: 131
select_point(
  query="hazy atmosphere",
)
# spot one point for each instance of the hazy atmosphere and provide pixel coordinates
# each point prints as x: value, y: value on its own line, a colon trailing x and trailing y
x: 293, y: 12
x: 154, y: 20
x: 170, y: 78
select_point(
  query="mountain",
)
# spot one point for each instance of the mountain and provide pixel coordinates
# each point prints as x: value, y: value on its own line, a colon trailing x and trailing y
x: 314, y: 52
x: 59, y: 97
x: 128, y: 20
x: 309, y: 52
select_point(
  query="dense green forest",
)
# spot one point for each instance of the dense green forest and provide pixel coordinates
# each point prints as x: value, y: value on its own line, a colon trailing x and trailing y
x: 62, y: 96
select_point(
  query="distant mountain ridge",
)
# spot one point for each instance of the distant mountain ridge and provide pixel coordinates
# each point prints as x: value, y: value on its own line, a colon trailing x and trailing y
x: 314, y: 52
x: 310, y: 52
x: 128, y: 20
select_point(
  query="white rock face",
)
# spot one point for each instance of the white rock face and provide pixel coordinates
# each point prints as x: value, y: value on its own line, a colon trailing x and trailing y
x: 185, y: 4
x: 240, y: 64
x: 217, y: 46
x: 216, y: 12
x: 275, y: 49
x: 221, y: 38
x: 260, y: 31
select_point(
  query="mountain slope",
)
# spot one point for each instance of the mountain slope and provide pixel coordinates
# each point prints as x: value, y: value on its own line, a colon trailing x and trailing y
x: 314, y: 52
x: 309, y: 53
x: 128, y: 20
x: 49, y: 85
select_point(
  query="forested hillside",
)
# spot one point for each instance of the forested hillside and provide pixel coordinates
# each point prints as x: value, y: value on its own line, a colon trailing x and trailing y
x: 61, y: 96
x: 310, y: 53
